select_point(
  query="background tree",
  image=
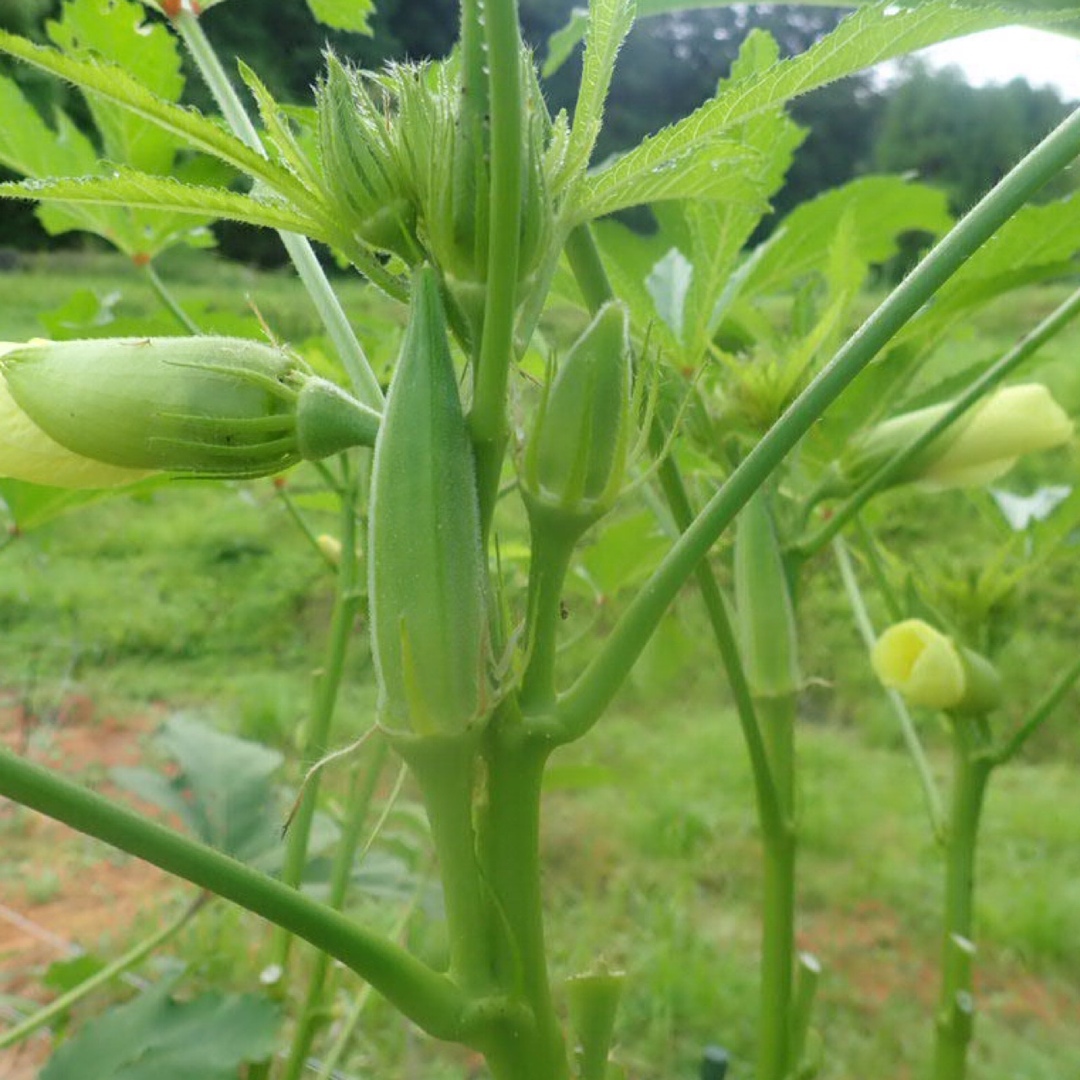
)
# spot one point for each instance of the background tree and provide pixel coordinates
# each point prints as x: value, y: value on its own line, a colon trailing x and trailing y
x: 961, y: 137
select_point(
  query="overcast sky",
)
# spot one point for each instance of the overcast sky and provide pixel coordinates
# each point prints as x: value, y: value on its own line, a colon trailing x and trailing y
x: 996, y: 56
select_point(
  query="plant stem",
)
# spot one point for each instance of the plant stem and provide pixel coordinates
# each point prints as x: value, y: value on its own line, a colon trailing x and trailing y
x: 361, y: 792
x: 487, y: 419
x: 118, y: 967
x: 510, y: 857
x: 931, y: 795
x: 169, y: 302
x: 445, y: 767
x: 1015, y: 743
x: 777, y: 716
x: 586, y: 701
x: 326, y: 684
x: 299, y: 248
x: 1026, y: 347
x: 430, y: 1000
x: 551, y: 551
x: 956, y: 1005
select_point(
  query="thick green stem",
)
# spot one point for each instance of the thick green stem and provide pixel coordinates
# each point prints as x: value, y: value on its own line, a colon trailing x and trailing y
x: 327, y: 683
x: 510, y: 856
x: 361, y: 792
x: 132, y: 958
x: 430, y: 1000
x: 777, y: 716
x: 445, y: 767
x: 956, y: 1005
x: 487, y: 419
x: 586, y: 701
x: 299, y: 248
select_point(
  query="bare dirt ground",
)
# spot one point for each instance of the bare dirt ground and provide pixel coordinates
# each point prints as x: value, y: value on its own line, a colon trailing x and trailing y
x: 60, y: 893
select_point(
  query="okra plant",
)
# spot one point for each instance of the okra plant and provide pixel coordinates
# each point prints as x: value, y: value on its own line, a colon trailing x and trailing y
x: 450, y: 186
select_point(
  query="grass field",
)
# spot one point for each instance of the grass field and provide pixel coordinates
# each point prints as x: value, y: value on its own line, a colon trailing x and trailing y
x: 207, y: 598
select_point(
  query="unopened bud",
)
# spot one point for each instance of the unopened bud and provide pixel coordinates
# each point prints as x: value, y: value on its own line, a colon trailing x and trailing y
x: 575, y: 460
x: 108, y: 411
x: 981, y: 446
x: 929, y: 669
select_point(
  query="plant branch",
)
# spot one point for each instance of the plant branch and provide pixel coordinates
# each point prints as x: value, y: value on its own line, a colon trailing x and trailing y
x: 1027, y: 346
x: 427, y: 998
x: 299, y: 248
x: 1015, y: 743
x: 118, y: 967
x: 168, y: 301
x: 487, y: 419
x: 583, y: 704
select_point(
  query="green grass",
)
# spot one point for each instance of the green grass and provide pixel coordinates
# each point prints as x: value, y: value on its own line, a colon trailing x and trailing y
x: 208, y: 597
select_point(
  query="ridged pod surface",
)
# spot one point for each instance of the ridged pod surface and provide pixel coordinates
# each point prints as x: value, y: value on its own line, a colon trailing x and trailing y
x: 209, y: 406
x: 428, y: 609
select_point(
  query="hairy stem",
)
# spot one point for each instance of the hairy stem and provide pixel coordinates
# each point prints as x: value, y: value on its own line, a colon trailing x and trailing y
x: 487, y: 419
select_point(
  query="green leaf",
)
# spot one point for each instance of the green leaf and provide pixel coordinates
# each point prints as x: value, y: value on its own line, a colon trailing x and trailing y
x: 711, y: 169
x: 625, y: 553
x: 880, y: 208
x: 224, y: 791
x: 34, y: 505
x: 114, y: 84
x: 129, y: 188
x: 155, y: 1037
x: 344, y: 14
x: 713, y: 233
x: 563, y: 42
x: 867, y: 37
x: 608, y: 24
x: 116, y: 31
x: 279, y: 130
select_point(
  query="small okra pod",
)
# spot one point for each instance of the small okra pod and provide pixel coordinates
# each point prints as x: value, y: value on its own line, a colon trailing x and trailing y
x: 425, y: 554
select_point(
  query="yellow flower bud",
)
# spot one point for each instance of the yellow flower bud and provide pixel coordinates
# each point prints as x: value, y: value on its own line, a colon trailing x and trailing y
x: 1016, y: 420
x: 981, y: 446
x: 920, y: 662
x: 928, y: 669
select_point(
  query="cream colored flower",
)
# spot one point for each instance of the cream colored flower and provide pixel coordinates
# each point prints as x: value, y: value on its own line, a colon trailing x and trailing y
x: 981, y: 446
x: 921, y: 663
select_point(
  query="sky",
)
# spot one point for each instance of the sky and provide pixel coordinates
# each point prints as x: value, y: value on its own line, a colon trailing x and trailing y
x: 996, y: 56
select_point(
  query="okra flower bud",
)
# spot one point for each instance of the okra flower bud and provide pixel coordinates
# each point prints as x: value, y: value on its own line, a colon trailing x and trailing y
x: 575, y: 460
x: 425, y: 554
x: 360, y: 163
x: 109, y: 411
x: 981, y: 446
x: 930, y: 670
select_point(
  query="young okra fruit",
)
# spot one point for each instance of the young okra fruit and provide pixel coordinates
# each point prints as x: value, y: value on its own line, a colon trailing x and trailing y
x: 108, y: 411
x: 427, y: 574
x: 576, y: 457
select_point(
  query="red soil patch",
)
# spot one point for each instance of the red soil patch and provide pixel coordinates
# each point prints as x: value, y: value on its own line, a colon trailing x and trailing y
x: 60, y: 893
